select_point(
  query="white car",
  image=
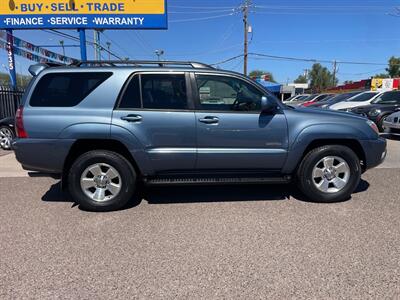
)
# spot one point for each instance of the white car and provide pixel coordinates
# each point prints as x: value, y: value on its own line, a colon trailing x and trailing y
x: 358, y: 100
x: 392, y: 123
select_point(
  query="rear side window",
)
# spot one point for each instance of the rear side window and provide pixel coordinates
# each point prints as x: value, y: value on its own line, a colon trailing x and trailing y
x: 131, y: 97
x: 164, y: 91
x: 155, y: 91
x: 66, y: 89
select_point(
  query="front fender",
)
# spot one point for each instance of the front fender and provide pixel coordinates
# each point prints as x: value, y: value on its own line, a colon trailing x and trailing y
x: 327, y: 131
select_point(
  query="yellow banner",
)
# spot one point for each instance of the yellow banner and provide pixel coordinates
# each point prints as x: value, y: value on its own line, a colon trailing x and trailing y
x: 376, y: 84
x: 87, y: 7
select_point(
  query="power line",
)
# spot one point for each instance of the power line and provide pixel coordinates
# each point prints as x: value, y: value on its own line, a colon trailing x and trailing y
x: 201, y: 19
x: 313, y: 60
x: 71, y: 37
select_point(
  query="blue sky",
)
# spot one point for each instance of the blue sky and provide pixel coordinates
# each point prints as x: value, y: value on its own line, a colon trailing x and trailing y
x: 352, y: 30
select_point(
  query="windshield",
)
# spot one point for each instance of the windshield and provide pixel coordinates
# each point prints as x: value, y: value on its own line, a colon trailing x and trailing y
x: 362, y: 97
x: 388, y: 98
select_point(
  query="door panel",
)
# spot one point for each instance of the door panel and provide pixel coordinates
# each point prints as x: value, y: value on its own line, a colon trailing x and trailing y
x: 241, y: 141
x: 232, y: 133
x: 169, y: 138
x: 154, y: 108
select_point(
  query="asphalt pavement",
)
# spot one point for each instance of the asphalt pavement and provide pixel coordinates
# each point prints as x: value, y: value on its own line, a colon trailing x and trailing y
x: 202, y: 242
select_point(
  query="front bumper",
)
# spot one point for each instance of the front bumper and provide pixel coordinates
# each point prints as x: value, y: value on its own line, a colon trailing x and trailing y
x: 375, y: 152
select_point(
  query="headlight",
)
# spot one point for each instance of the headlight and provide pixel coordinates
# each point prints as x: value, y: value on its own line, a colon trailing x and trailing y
x: 325, y: 106
x: 375, y: 112
x: 373, y: 126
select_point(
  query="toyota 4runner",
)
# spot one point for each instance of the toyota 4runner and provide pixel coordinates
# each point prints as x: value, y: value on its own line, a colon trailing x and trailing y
x: 106, y: 127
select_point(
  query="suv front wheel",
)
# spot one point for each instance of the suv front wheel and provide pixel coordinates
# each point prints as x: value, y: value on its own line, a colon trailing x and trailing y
x: 329, y: 174
x: 102, y: 181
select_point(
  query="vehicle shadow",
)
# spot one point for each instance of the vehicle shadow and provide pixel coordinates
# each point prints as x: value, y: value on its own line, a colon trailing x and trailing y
x: 233, y: 193
x: 202, y: 194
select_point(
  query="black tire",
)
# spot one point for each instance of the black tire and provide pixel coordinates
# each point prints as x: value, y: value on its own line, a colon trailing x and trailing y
x: 115, y: 160
x: 305, y: 171
x: 380, y: 125
x: 6, y: 140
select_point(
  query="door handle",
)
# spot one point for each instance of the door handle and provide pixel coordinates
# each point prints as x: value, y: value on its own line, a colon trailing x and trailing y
x: 132, y: 118
x: 209, y: 120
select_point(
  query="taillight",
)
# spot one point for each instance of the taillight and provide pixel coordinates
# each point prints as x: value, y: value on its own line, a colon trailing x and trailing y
x: 19, y: 123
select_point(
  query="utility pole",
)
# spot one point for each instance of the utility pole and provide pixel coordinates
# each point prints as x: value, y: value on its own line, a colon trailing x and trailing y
x: 245, y: 10
x: 96, y: 43
x: 334, y: 73
x: 109, y: 50
x: 63, y: 47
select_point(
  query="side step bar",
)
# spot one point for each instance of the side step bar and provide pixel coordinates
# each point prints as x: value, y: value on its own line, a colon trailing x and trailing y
x: 216, y: 181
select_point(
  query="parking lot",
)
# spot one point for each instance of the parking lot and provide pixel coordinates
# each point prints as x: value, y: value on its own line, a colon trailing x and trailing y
x: 201, y: 242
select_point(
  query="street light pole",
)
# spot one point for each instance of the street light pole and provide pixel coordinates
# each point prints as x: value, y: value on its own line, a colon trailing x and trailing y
x: 159, y: 53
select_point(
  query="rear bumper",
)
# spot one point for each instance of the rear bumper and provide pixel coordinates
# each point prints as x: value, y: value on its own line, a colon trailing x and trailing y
x: 42, y: 155
x: 375, y: 152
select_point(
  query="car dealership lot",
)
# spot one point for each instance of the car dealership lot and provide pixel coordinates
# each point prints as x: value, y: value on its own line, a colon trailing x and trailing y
x: 203, y: 242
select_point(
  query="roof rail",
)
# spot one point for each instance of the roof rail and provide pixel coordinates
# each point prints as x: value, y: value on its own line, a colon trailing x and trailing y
x: 114, y: 63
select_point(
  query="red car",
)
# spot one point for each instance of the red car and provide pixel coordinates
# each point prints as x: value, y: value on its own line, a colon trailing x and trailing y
x: 315, y: 98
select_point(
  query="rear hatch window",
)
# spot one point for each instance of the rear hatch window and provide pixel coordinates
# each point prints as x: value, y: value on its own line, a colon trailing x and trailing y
x: 66, y: 89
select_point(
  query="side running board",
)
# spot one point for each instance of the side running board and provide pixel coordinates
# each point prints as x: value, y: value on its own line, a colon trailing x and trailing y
x: 211, y: 181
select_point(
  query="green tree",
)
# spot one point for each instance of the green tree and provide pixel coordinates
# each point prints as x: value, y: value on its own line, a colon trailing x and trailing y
x: 382, y: 75
x: 394, y: 67
x: 301, y: 79
x: 22, y: 80
x: 321, y: 78
x: 259, y: 73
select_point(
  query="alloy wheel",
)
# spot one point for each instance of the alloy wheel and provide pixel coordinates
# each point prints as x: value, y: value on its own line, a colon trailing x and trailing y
x: 6, y: 137
x: 331, y: 174
x: 101, y: 182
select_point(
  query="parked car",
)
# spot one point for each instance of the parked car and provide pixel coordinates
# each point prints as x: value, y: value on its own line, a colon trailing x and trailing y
x: 358, y: 100
x: 7, y: 133
x: 327, y: 102
x: 106, y: 129
x: 316, y: 99
x: 384, y: 105
x: 392, y: 123
x: 302, y: 100
x: 299, y: 97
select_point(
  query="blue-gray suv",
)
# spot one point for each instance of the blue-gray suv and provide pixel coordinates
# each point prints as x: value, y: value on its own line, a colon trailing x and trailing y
x: 109, y: 127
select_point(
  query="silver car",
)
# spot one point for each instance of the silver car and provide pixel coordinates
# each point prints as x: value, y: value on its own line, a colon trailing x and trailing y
x: 392, y: 123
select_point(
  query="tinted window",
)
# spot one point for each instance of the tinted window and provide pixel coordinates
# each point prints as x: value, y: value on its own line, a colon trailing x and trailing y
x: 388, y: 98
x: 362, y: 97
x: 164, y: 91
x: 227, y: 93
x: 66, y: 89
x: 131, y: 97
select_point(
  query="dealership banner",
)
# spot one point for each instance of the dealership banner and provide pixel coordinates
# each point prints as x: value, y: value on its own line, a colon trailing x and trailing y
x: 19, y: 43
x: 385, y: 84
x: 83, y: 14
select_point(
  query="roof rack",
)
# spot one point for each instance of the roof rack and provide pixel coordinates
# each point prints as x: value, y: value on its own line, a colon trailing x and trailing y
x: 114, y: 63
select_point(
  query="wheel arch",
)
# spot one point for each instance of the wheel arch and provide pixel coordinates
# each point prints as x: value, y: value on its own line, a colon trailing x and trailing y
x: 353, y: 144
x: 82, y: 146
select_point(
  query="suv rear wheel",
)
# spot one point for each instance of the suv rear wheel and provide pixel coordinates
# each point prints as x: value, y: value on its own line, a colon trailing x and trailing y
x: 102, y: 181
x: 329, y: 174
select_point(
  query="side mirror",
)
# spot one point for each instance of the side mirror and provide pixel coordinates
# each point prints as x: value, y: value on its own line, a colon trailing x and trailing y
x: 268, y: 105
